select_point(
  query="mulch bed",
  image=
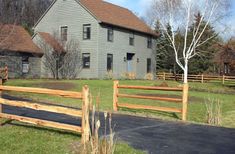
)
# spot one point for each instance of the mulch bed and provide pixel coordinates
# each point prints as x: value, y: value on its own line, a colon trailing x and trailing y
x: 56, y: 85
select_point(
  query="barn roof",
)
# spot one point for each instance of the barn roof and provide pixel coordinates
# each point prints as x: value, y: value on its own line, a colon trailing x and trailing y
x: 16, y: 38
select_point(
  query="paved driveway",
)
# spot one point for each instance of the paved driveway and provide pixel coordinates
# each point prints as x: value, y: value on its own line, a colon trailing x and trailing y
x: 155, y: 136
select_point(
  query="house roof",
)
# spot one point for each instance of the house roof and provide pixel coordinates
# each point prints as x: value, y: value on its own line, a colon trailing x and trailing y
x: 48, y: 38
x: 16, y: 38
x: 115, y: 15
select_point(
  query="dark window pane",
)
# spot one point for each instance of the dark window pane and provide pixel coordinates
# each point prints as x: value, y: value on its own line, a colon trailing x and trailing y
x: 109, y: 62
x: 64, y: 33
x: 86, y: 60
x: 87, y: 32
x: 110, y: 35
x: 149, y: 70
x: 25, y: 65
x: 149, y: 42
x: 131, y: 39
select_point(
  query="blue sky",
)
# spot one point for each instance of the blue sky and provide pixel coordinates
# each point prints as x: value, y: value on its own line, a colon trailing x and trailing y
x: 141, y: 6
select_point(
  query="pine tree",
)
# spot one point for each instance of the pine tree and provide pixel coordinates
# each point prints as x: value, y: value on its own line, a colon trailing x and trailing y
x: 204, y: 61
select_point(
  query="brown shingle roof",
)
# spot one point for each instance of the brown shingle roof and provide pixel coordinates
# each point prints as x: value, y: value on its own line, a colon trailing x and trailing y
x: 16, y: 38
x: 115, y: 15
x: 48, y: 38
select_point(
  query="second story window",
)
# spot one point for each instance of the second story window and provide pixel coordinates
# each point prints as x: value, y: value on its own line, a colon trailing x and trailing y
x: 149, y: 42
x: 110, y: 34
x: 86, y: 60
x: 131, y: 39
x: 86, y: 32
x: 64, y: 33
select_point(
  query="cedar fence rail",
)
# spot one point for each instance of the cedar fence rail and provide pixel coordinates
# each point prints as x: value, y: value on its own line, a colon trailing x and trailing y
x: 84, y: 129
x: 196, y: 78
x: 184, y: 99
x: 4, y: 73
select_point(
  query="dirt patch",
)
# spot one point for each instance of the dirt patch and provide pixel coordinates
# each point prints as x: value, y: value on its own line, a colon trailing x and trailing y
x: 56, y: 85
x: 163, y: 84
x: 191, y: 99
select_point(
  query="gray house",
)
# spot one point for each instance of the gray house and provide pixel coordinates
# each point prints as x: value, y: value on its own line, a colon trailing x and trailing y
x: 111, y: 37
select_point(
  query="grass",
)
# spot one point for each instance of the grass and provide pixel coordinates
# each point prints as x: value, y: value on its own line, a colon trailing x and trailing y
x: 18, y: 139
x: 198, y: 94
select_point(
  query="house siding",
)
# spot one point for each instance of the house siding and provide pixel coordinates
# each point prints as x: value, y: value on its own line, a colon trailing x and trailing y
x: 119, y: 48
x: 70, y: 13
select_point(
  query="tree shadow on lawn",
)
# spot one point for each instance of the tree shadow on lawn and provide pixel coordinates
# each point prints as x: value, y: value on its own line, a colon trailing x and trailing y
x: 56, y: 85
x: 152, y: 112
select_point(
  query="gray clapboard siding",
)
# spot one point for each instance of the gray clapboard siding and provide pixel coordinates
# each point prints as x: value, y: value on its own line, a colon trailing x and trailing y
x: 119, y: 48
x: 70, y: 13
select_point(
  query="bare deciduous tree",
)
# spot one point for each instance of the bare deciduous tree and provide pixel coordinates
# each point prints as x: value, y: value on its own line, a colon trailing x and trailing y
x: 61, y: 59
x: 179, y: 15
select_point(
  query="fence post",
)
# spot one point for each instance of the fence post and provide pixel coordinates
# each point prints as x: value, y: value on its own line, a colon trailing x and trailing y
x: 6, y: 73
x: 202, y: 79
x: 85, y: 115
x: 223, y: 79
x: 115, y: 95
x: 185, y: 101
x: 164, y: 76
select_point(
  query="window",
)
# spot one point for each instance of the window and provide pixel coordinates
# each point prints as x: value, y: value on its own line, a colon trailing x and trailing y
x: 86, y: 60
x: 131, y: 39
x: 110, y: 35
x: 86, y: 32
x: 109, y: 62
x: 149, y: 70
x: 25, y: 65
x: 64, y: 33
x: 149, y: 42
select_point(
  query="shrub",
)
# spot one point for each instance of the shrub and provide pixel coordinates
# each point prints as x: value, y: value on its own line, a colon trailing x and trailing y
x: 149, y: 76
x: 213, y: 111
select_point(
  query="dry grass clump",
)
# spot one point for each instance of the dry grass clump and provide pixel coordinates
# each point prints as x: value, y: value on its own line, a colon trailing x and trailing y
x: 213, y: 111
x: 130, y: 76
x: 109, y: 75
x: 97, y: 145
x: 149, y: 76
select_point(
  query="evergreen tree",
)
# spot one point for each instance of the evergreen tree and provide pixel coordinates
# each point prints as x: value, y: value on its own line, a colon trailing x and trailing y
x: 204, y: 61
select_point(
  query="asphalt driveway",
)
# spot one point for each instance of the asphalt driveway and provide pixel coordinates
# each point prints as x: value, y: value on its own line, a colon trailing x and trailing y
x: 153, y: 135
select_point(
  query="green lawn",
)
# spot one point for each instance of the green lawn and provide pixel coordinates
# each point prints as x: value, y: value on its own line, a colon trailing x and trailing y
x: 199, y: 93
x: 21, y: 139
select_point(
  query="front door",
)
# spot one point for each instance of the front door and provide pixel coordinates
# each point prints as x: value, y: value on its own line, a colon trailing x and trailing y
x: 130, y: 62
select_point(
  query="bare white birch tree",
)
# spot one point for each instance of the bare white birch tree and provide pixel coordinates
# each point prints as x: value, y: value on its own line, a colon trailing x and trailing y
x: 179, y: 15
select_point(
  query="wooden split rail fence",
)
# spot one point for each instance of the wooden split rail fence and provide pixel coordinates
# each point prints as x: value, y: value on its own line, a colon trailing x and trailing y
x: 84, y: 129
x: 196, y: 78
x: 183, y: 100
x: 4, y: 73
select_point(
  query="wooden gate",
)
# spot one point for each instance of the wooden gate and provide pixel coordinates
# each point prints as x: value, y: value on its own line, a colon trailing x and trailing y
x: 84, y: 129
x: 183, y: 100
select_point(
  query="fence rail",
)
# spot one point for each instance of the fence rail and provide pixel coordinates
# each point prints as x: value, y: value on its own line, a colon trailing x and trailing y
x: 84, y: 129
x: 196, y: 78
x: 183, y: 101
